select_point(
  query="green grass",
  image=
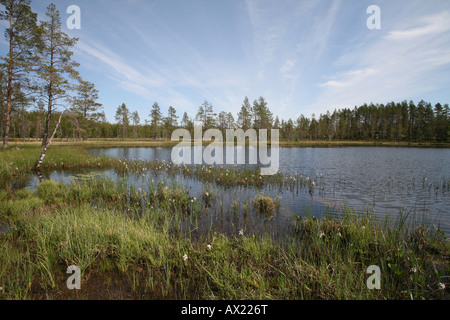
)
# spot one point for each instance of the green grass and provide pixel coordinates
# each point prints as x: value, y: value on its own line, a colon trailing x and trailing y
x: 129, y: 243
x: 111, y: 143
x: 130, y: 248
x: 18, y: 162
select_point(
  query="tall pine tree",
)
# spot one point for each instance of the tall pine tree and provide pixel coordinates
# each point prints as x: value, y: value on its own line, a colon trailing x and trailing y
x: 21, y: 35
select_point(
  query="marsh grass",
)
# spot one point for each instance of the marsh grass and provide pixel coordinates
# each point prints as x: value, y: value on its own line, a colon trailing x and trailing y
x: 265, y: 205
x: 128, y: 243
x: 20, y: 162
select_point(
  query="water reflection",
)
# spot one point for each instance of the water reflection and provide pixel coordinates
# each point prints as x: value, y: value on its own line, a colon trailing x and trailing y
x: 389, y: 180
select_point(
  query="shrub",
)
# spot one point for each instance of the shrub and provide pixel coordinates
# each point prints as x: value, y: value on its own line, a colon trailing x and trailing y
x: 264, y: 205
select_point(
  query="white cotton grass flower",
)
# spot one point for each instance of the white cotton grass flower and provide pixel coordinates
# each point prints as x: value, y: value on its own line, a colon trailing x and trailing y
x: 321, y: 235
x: 185, y: 257
x: 241, y: 232
x: 413, y: 270
x: 441, y: 286
x: 209, y: 247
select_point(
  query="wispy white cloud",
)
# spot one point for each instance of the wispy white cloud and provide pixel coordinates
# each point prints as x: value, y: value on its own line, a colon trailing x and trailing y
x: 122, y: 69
x: 407, y: 62
x: 432, y: 25
x: 302, y: 56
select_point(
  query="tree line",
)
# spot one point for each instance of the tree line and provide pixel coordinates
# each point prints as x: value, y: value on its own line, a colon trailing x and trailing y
x: 38, y: 70
x: 43, y: 96
x: 403, y: 121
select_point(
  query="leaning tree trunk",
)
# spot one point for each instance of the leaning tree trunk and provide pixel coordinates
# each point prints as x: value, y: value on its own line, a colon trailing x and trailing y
x: 45, y: 148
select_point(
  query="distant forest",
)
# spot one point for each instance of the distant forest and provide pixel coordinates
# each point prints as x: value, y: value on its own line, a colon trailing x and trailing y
x: 384, y: 122
x: 43, y: 96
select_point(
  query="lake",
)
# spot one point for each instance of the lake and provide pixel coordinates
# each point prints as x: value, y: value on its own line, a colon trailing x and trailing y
x: 388, y: 180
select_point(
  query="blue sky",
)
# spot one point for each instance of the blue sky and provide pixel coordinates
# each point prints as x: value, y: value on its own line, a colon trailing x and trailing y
x: 303, y: 57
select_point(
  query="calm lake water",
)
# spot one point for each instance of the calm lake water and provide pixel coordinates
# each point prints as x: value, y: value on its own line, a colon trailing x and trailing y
x: 388, y: 180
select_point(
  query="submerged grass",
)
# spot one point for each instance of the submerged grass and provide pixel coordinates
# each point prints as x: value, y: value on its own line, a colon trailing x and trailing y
x: 128, y: 245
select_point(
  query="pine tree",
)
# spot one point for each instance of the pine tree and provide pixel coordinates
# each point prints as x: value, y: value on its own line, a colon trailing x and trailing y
x: 230, y: 121
x: 206, y: 115
x: 56, y: 67
x: 245, y: 116
x: 85, y: 102
x: 156, y: 119
x: 263, y: 118
x: 122, y: 117
x: 172, y: 118
x: 136, y: 121
x: 185, y: 120
x: 21, y: 35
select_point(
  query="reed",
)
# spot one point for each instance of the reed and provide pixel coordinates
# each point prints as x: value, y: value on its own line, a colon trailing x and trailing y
x: 128, y: 244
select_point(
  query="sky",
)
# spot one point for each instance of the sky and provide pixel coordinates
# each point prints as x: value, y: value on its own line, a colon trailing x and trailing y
x: 303, y: 57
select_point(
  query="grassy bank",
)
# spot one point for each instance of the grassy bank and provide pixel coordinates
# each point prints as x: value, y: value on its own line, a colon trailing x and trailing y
x: 20, y: 161
x: 112, y: 143
x: 128, y: 245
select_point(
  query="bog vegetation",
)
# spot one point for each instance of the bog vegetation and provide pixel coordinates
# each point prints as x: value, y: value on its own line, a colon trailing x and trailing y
x: 144, y: 243
x: 129, y: 243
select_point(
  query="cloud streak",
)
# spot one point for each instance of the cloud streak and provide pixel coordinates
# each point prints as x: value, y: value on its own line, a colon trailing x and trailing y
x: 406, y: 62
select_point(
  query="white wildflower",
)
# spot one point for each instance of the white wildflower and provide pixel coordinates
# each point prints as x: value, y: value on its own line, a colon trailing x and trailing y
x: 208, y: 247
x: 185, y: 257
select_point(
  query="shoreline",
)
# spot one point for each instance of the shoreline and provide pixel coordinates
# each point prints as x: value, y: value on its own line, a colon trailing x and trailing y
x: 147, y: 143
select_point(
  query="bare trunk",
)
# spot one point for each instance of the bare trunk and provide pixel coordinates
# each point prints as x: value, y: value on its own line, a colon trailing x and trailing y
x: 45, y: 148
x: 50, y: 96
x: 49, y: 115
x: 10, y: 88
